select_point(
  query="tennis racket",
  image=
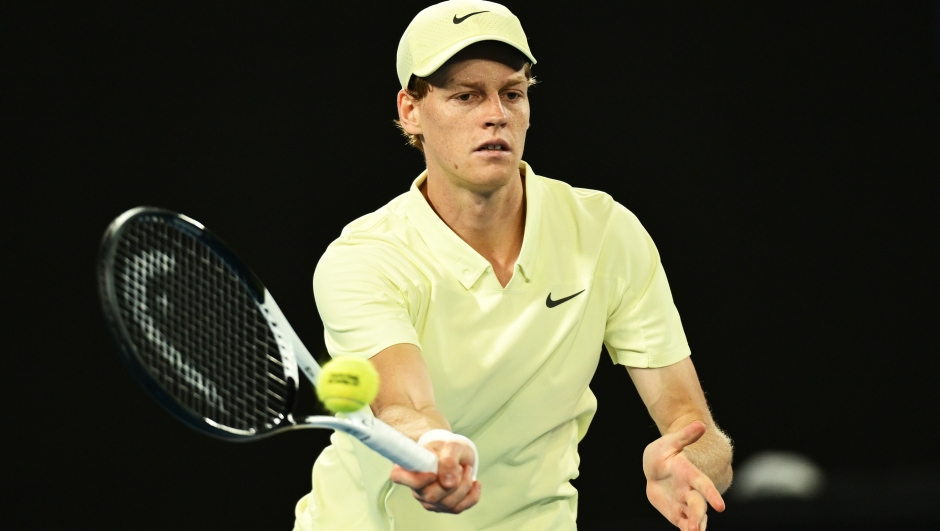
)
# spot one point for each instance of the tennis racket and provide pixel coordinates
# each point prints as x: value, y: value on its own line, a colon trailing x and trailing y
x: 203, y: 336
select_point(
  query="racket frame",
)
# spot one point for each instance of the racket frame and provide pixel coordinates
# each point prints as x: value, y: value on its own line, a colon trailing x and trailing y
x: 362, y: 425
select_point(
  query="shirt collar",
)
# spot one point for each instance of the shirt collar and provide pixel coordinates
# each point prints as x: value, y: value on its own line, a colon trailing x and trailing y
x: 533, y: 223
x: 455, y: 254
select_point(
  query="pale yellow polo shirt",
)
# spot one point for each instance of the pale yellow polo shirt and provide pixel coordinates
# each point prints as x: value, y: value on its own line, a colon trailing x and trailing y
x: 510, y: 366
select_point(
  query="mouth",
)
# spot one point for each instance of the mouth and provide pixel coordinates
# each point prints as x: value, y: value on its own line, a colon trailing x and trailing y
x: 494, y: 145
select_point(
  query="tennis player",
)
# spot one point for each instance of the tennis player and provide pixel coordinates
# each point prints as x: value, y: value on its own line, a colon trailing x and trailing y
x: 483, y: 296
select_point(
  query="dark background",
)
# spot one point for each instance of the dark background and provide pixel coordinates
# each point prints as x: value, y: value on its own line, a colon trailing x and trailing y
x: 784, y: 156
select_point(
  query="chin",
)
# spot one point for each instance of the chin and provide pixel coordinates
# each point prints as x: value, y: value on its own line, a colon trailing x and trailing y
x: 492, y: 175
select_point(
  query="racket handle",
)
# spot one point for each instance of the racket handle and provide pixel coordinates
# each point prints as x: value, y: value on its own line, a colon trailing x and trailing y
x: 394, y: 445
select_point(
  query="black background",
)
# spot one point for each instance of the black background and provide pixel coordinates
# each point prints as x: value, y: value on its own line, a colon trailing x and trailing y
x: 784, y: 156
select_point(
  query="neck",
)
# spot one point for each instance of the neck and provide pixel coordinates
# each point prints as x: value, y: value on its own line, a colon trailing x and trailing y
x: 491, y: 222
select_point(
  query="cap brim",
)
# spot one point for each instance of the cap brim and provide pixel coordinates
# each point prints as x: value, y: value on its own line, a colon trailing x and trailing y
x: 431, y: 64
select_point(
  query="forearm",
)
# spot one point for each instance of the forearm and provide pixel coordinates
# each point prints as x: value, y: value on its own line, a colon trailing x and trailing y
x: 410, y: 421
x: 674, y: 399
x: 406, y: 396
x: 712, y: 454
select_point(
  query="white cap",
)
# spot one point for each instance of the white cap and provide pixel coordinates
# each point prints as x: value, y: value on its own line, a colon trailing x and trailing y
x: 438, y: 32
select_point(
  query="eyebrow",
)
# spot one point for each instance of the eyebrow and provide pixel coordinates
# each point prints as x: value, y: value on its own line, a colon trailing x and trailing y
x: 514, y: 80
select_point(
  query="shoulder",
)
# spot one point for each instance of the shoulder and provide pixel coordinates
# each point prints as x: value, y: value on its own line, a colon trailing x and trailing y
x: 584, y: 202
x: 601, y: 227
x: 387, y: 220
x: 364, y: 242
x: 592, y: 210
x: 563, y: 193
x: 360, y: 285
x: 383, y: 229
x: 376, y: 249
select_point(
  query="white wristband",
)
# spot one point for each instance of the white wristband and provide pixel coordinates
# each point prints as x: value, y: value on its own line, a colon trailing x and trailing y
x: 446, y: 436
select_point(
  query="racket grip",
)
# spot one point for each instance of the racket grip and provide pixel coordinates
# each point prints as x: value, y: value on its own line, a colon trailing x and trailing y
x: 397, y: 447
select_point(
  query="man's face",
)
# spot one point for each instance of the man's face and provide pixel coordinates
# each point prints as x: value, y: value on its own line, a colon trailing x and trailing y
x: 473, y: 123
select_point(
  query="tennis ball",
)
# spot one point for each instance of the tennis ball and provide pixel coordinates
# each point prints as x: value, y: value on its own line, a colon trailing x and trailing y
x: 347, y: 384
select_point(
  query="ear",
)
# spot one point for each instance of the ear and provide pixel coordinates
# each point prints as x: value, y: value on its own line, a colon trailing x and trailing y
x: 409, y: 113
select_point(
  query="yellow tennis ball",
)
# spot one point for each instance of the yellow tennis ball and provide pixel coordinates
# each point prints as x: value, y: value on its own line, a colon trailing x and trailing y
x: 347, y: 384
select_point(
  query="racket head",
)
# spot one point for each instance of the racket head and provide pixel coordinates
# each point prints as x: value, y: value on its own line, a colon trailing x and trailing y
x: 189, y: 321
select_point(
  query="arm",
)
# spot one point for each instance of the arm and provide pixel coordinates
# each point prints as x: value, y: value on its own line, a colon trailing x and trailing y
x: 362, y: 305
x: 691, y: 463
x: 406, y: 402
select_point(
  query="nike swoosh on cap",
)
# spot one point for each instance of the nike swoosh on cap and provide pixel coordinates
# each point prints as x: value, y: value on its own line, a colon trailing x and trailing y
x: 551, y: 304
x: 465, y: 17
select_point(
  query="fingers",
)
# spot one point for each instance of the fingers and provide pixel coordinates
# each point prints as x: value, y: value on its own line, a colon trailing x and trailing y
x: 706, y: 488
x: 695, y: 511
x: 460, y: 492
x: 715, y: 500
x: 688, y: 525
x: 435, y: 493
x: 683, y: 498
x: 452, y: 489
x: 414, y: 480
x: 473, y: 496
x: 470, y: 500
x: 464, y: 495
x: 453, y: 455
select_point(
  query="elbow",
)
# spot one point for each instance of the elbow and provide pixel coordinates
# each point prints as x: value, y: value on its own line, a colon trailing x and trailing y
x: 726, y: 475
x: 725, y: 478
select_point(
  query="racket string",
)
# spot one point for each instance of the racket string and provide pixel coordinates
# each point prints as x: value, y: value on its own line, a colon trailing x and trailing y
x: 197, y: 329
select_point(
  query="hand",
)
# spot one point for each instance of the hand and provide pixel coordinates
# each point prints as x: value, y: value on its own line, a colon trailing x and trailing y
x: 452, y: 489
x: 674, y: 485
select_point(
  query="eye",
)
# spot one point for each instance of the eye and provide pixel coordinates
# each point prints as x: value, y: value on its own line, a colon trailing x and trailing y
x: 464, y: 97
x: 513, y: 95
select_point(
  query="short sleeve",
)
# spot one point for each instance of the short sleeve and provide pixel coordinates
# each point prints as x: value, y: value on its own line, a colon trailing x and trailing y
x: 362, y: 310
x: 643, y: 326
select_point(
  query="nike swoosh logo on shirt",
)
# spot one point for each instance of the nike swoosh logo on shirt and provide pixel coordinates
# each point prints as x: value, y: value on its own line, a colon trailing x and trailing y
x: 551, y: 304
x: 465, y: 17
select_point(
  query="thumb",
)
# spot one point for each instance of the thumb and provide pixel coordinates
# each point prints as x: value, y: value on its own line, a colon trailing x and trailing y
x: 452, y: 456
x: 686, y: 436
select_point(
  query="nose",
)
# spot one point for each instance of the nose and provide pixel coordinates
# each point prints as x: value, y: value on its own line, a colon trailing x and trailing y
x: 495, y: 112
